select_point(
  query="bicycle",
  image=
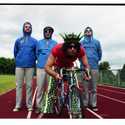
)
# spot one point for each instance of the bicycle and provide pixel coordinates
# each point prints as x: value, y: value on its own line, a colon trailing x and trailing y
x: 69, y: 93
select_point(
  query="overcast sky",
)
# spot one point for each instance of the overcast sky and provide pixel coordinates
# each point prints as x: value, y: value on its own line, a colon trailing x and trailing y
x: 108, y: 23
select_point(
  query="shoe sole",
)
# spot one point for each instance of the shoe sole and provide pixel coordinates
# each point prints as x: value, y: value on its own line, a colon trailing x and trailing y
x: 16, y: 110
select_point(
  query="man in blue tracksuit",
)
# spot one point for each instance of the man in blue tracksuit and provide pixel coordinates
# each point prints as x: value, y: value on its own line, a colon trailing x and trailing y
x: 44, y: 47
x: 25, y: 60
x: 94, y: 53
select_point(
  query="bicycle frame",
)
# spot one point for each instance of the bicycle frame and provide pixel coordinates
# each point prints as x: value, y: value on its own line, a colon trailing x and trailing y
x: 72, y: 96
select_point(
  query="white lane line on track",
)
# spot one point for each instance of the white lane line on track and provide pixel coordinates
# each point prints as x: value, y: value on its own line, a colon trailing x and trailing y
x: 7, y: 91
x: 116, y: 100
x: 115, y: 91
x: 33, y: 101
x: 99, y: 85
x: 98, y: 116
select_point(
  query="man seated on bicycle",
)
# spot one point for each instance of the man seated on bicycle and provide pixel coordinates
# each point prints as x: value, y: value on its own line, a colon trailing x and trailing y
x: 62, y: 56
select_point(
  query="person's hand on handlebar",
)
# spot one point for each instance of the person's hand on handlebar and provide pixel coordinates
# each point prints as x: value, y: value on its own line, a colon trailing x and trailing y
x: 87, y: 75
x: 58, y: 77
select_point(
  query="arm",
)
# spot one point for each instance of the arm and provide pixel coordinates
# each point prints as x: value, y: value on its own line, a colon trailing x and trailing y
x: 85, y: 62
x: 37, y: 50
x: 49, y: 65
x: 86, y: 66
x: 15, y: 49
x: 99, y: 51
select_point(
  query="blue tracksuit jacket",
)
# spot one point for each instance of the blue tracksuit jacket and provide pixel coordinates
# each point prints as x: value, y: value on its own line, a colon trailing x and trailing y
x: 25, y: 52
x: 43, y: 50
x: 93, y: 51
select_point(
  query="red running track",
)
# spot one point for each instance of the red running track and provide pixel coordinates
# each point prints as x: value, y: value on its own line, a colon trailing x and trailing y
x: 7, y: 103
x: 111, y: 103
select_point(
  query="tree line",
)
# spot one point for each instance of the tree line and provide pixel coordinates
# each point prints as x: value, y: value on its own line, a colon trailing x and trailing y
x: 108, y: 74
x: 7, y: 66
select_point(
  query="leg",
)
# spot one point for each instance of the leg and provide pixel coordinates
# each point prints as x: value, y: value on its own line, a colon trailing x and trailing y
x: 19, y: 81
x: 49, y: 96
x: 93, y: 93
x: 41, y: 80
x: 28, y: 77
x: 86, y: 93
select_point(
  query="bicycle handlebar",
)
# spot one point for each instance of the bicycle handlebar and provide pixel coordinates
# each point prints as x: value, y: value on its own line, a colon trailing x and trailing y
x: 75, y: 69
x: 72, y: 69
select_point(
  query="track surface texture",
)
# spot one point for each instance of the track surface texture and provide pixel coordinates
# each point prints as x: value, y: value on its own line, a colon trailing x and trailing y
x: 111, y: 103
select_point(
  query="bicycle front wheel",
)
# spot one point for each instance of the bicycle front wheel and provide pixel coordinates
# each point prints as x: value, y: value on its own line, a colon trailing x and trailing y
x: 75, y: 103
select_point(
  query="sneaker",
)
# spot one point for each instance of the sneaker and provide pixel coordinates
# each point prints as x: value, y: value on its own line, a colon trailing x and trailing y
x: 30, y: 109
x: 95, y: 109
x: 16, y: 109
x: 37, y: 110
x: 85, y: 106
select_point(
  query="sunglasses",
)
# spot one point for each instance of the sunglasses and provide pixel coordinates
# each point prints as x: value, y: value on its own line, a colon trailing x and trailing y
x: 28, y: 27
x: 72, y: 46
x: 48, y: 31
x: 88, y: 30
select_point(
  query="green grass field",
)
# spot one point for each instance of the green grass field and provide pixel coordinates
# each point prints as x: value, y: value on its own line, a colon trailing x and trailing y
x: 7, y: 82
